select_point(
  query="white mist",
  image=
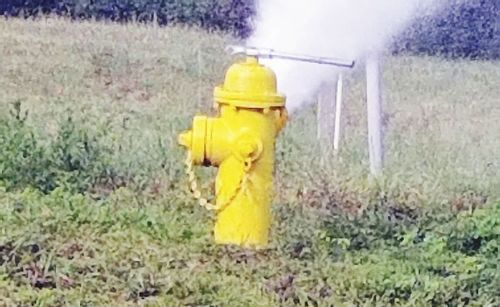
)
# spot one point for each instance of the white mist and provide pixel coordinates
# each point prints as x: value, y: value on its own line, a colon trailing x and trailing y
x: 348, y: 29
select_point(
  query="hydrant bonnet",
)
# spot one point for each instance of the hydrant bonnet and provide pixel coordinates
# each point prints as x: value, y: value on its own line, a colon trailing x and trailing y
x: 251, y: 85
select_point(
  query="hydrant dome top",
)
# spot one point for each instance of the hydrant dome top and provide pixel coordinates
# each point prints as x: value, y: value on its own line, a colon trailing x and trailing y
x: 249, y: 84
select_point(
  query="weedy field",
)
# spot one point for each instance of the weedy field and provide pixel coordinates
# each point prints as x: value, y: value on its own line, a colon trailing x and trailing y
x: 95, y: 210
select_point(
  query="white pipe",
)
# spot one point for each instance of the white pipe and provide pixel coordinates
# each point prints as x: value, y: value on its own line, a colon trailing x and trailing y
x: 270, y: 54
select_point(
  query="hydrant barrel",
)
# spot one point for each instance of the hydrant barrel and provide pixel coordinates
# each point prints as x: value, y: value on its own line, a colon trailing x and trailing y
x: 241, y: 143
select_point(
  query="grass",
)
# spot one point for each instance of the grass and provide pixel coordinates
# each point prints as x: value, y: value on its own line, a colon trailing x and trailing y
x: 117, y: 226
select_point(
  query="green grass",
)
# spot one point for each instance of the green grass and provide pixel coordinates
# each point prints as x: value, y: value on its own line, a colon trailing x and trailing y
x: 95, y: 210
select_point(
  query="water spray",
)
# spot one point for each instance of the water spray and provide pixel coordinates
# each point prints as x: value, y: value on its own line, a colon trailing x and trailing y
x: 240, y: 141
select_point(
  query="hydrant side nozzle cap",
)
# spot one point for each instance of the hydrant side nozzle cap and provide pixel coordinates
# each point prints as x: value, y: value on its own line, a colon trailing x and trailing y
x: 199, y: 139
x: 185, y: 138
x: 195, y: 139
x: 249, y: 84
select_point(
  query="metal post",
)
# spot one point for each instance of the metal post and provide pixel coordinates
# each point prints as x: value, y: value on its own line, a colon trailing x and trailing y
x: 338, y: 112
x: 326, y: 115
x: 374, y: 107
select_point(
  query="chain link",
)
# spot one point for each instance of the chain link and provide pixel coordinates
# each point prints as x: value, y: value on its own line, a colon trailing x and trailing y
x: 193, y: 185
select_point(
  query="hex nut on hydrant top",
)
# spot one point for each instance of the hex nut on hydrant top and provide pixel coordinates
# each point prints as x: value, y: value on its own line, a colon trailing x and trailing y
x: 241, y: 143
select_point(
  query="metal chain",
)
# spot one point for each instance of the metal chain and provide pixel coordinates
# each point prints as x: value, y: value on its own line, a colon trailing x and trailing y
x: 193, y: 185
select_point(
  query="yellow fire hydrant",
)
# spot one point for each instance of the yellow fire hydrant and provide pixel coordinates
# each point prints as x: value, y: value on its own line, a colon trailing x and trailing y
x: 240, y: 142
